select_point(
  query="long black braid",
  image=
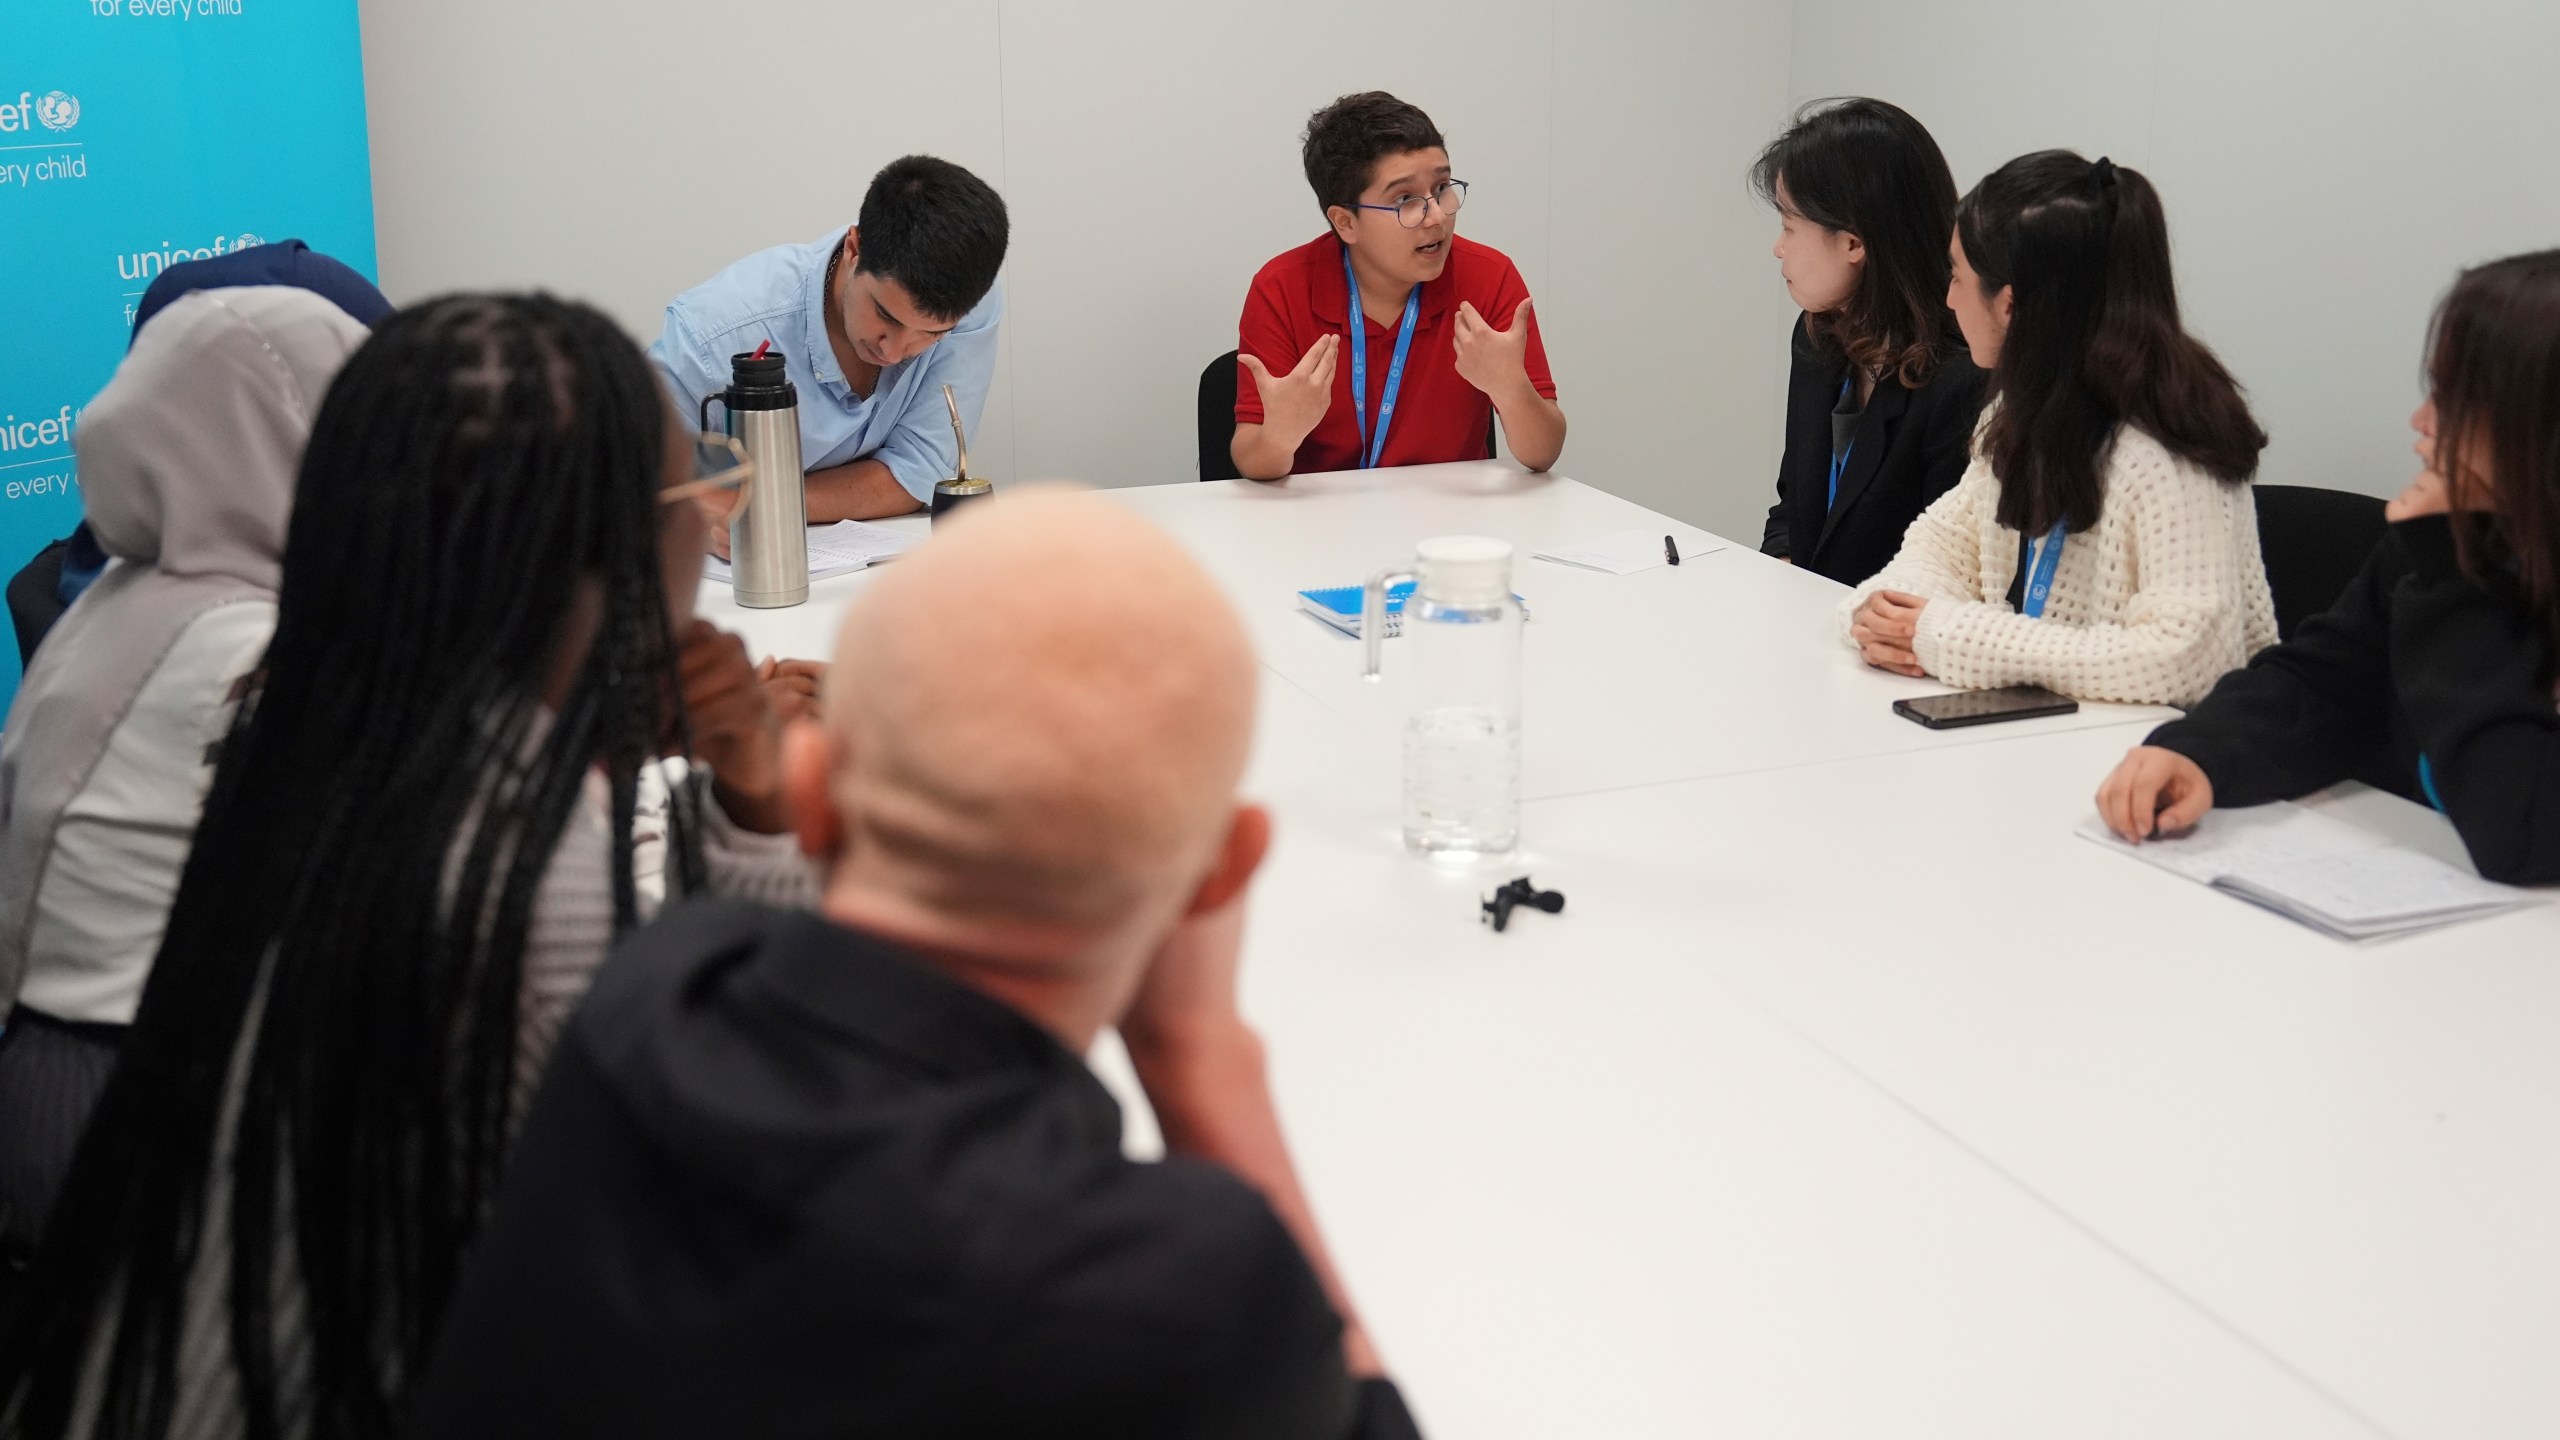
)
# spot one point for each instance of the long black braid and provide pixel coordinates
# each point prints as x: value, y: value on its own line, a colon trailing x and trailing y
x: 351, y: 924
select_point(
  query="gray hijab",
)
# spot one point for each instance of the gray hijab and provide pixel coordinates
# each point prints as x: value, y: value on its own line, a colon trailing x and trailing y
x: 187, y: 467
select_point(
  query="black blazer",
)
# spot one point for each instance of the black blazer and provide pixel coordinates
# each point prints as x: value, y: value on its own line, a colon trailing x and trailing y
x: 1911, y: 447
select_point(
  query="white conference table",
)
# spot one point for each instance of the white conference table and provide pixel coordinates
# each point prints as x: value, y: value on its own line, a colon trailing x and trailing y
x: 1851, y: 1095
x: 2349, y: 1153
x: 1723, y: 664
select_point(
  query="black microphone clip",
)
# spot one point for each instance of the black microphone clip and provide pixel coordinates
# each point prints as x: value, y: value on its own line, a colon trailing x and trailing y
x: 1516, y: 893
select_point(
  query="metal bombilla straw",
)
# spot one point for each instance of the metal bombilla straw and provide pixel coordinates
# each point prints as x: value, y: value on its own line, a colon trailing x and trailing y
x: 963, y: 486
x: 959, y: 436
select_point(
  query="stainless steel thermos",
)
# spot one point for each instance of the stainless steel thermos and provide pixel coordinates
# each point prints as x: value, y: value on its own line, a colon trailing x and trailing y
x: 769, y: 532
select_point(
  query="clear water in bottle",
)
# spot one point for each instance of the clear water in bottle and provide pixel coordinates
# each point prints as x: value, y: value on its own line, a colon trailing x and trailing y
x: 1462, y: 782
x: 1462, y: 725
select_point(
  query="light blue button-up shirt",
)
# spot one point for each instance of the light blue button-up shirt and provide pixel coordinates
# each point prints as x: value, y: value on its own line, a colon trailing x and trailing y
x: 780, y: 295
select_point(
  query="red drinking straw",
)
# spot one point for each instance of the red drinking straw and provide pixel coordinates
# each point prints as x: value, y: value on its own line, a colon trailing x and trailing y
x: 761, y: 347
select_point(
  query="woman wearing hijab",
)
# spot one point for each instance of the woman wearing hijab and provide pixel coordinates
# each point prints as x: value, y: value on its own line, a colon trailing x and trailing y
x: 187, y: 464
x: 65, y: 570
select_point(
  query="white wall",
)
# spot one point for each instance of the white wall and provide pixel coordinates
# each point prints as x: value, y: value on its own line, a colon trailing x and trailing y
x: 1148, y: 152
x: 2326, y: 166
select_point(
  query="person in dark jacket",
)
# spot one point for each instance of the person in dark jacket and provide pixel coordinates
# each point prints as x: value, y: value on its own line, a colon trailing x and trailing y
x: 1882, y: 395
x: 2433, y: 675
x: 846, y: 1174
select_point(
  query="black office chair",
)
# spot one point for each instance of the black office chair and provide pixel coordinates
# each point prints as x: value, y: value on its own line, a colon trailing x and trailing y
x: 2314, y: 541
x: 1218, y: 421
x: 33, y: 606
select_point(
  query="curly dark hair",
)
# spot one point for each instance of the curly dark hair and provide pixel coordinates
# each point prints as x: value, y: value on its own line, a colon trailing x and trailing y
x: 1346, y: 139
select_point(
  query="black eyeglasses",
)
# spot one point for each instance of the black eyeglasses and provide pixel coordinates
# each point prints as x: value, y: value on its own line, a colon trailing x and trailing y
x: 1449, y: 195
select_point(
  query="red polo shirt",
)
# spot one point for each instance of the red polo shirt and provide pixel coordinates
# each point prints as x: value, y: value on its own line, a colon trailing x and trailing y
x: 1301, y: 296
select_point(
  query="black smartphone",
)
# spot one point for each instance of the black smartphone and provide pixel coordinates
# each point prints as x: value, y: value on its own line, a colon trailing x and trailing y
x: 1984, y: 707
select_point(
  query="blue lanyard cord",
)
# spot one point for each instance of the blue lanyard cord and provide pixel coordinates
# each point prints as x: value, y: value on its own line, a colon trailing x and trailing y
x: 2043, y: 556
x: 1839, y: 461
x: 2427, y: 785
x: 1359, y: 337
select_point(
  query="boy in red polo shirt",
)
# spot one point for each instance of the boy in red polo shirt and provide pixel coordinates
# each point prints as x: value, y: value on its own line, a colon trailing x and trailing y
x: 1445, y: 336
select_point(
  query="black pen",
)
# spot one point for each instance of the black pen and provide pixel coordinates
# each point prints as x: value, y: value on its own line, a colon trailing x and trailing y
x: 1670, y: 551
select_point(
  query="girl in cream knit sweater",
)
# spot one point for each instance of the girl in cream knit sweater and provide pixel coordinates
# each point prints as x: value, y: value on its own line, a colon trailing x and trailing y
x: 2162, y: 598
x: 2109, y: 475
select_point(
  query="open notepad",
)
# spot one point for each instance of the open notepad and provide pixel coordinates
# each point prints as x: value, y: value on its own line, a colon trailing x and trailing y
x: 835, y: 549
x: 2325, y: 873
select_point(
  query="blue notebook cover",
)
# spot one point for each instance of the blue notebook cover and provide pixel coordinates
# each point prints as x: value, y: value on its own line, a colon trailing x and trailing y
x: 1339, y: 607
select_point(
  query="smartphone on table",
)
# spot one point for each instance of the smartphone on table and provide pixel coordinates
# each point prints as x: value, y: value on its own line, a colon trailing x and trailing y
x: 1984, y: 707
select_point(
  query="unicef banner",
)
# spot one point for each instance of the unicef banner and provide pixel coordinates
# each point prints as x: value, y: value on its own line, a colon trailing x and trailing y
x: 135, y: 134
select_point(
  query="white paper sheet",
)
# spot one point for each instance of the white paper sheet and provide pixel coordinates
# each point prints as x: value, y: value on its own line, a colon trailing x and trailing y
x: 836, y: 549
x: 1623, y: 552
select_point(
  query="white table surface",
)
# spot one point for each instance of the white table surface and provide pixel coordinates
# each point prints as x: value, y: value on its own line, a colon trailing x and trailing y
x: 1852, y: 1095
x: 1581, y: 1184
x: 1723, y: 664
x: 1728, y: 662
x: 2349, y: 1152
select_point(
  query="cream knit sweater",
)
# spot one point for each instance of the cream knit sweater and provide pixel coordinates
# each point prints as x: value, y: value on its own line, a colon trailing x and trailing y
x: 2152, y: 606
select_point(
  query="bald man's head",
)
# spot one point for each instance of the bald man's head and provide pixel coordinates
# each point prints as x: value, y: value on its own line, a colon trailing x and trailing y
x: 1038, y: 723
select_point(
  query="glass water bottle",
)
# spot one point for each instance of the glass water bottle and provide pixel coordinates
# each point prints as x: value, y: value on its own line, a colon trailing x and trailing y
x: 1461, y: 625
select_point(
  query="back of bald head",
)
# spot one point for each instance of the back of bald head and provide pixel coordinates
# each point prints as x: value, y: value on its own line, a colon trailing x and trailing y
x: 1040, y: 717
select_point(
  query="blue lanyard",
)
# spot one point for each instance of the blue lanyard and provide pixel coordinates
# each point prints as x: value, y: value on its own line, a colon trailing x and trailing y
x: 1839, y: 461
x: 2427, y: 784
x: 2042, y: 558
x: 1359, y: 337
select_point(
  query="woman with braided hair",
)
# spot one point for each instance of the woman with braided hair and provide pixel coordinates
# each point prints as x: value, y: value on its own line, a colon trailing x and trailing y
x: 418, y: 846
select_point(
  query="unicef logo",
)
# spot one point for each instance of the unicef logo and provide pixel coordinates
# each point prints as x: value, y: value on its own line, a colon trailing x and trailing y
x: 58, y: 111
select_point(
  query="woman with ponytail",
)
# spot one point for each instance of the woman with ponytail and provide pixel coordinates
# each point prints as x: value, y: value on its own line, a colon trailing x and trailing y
x: 418, y: 845
x: 2103, y: 542
x: 2433, y: 675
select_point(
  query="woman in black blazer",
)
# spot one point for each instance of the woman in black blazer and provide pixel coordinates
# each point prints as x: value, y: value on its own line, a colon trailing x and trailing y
x: 1882, y: 398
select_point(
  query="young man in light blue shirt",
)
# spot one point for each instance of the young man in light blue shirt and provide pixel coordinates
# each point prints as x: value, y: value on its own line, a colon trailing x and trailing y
x: 871, y: 322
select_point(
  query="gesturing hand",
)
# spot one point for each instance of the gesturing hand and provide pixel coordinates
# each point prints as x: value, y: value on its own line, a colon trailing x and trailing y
x: 1494, y: 361
x: 1884, y: 629
x: 2154, y: 792
x: 1294, y: 403
x: 735, y: 731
